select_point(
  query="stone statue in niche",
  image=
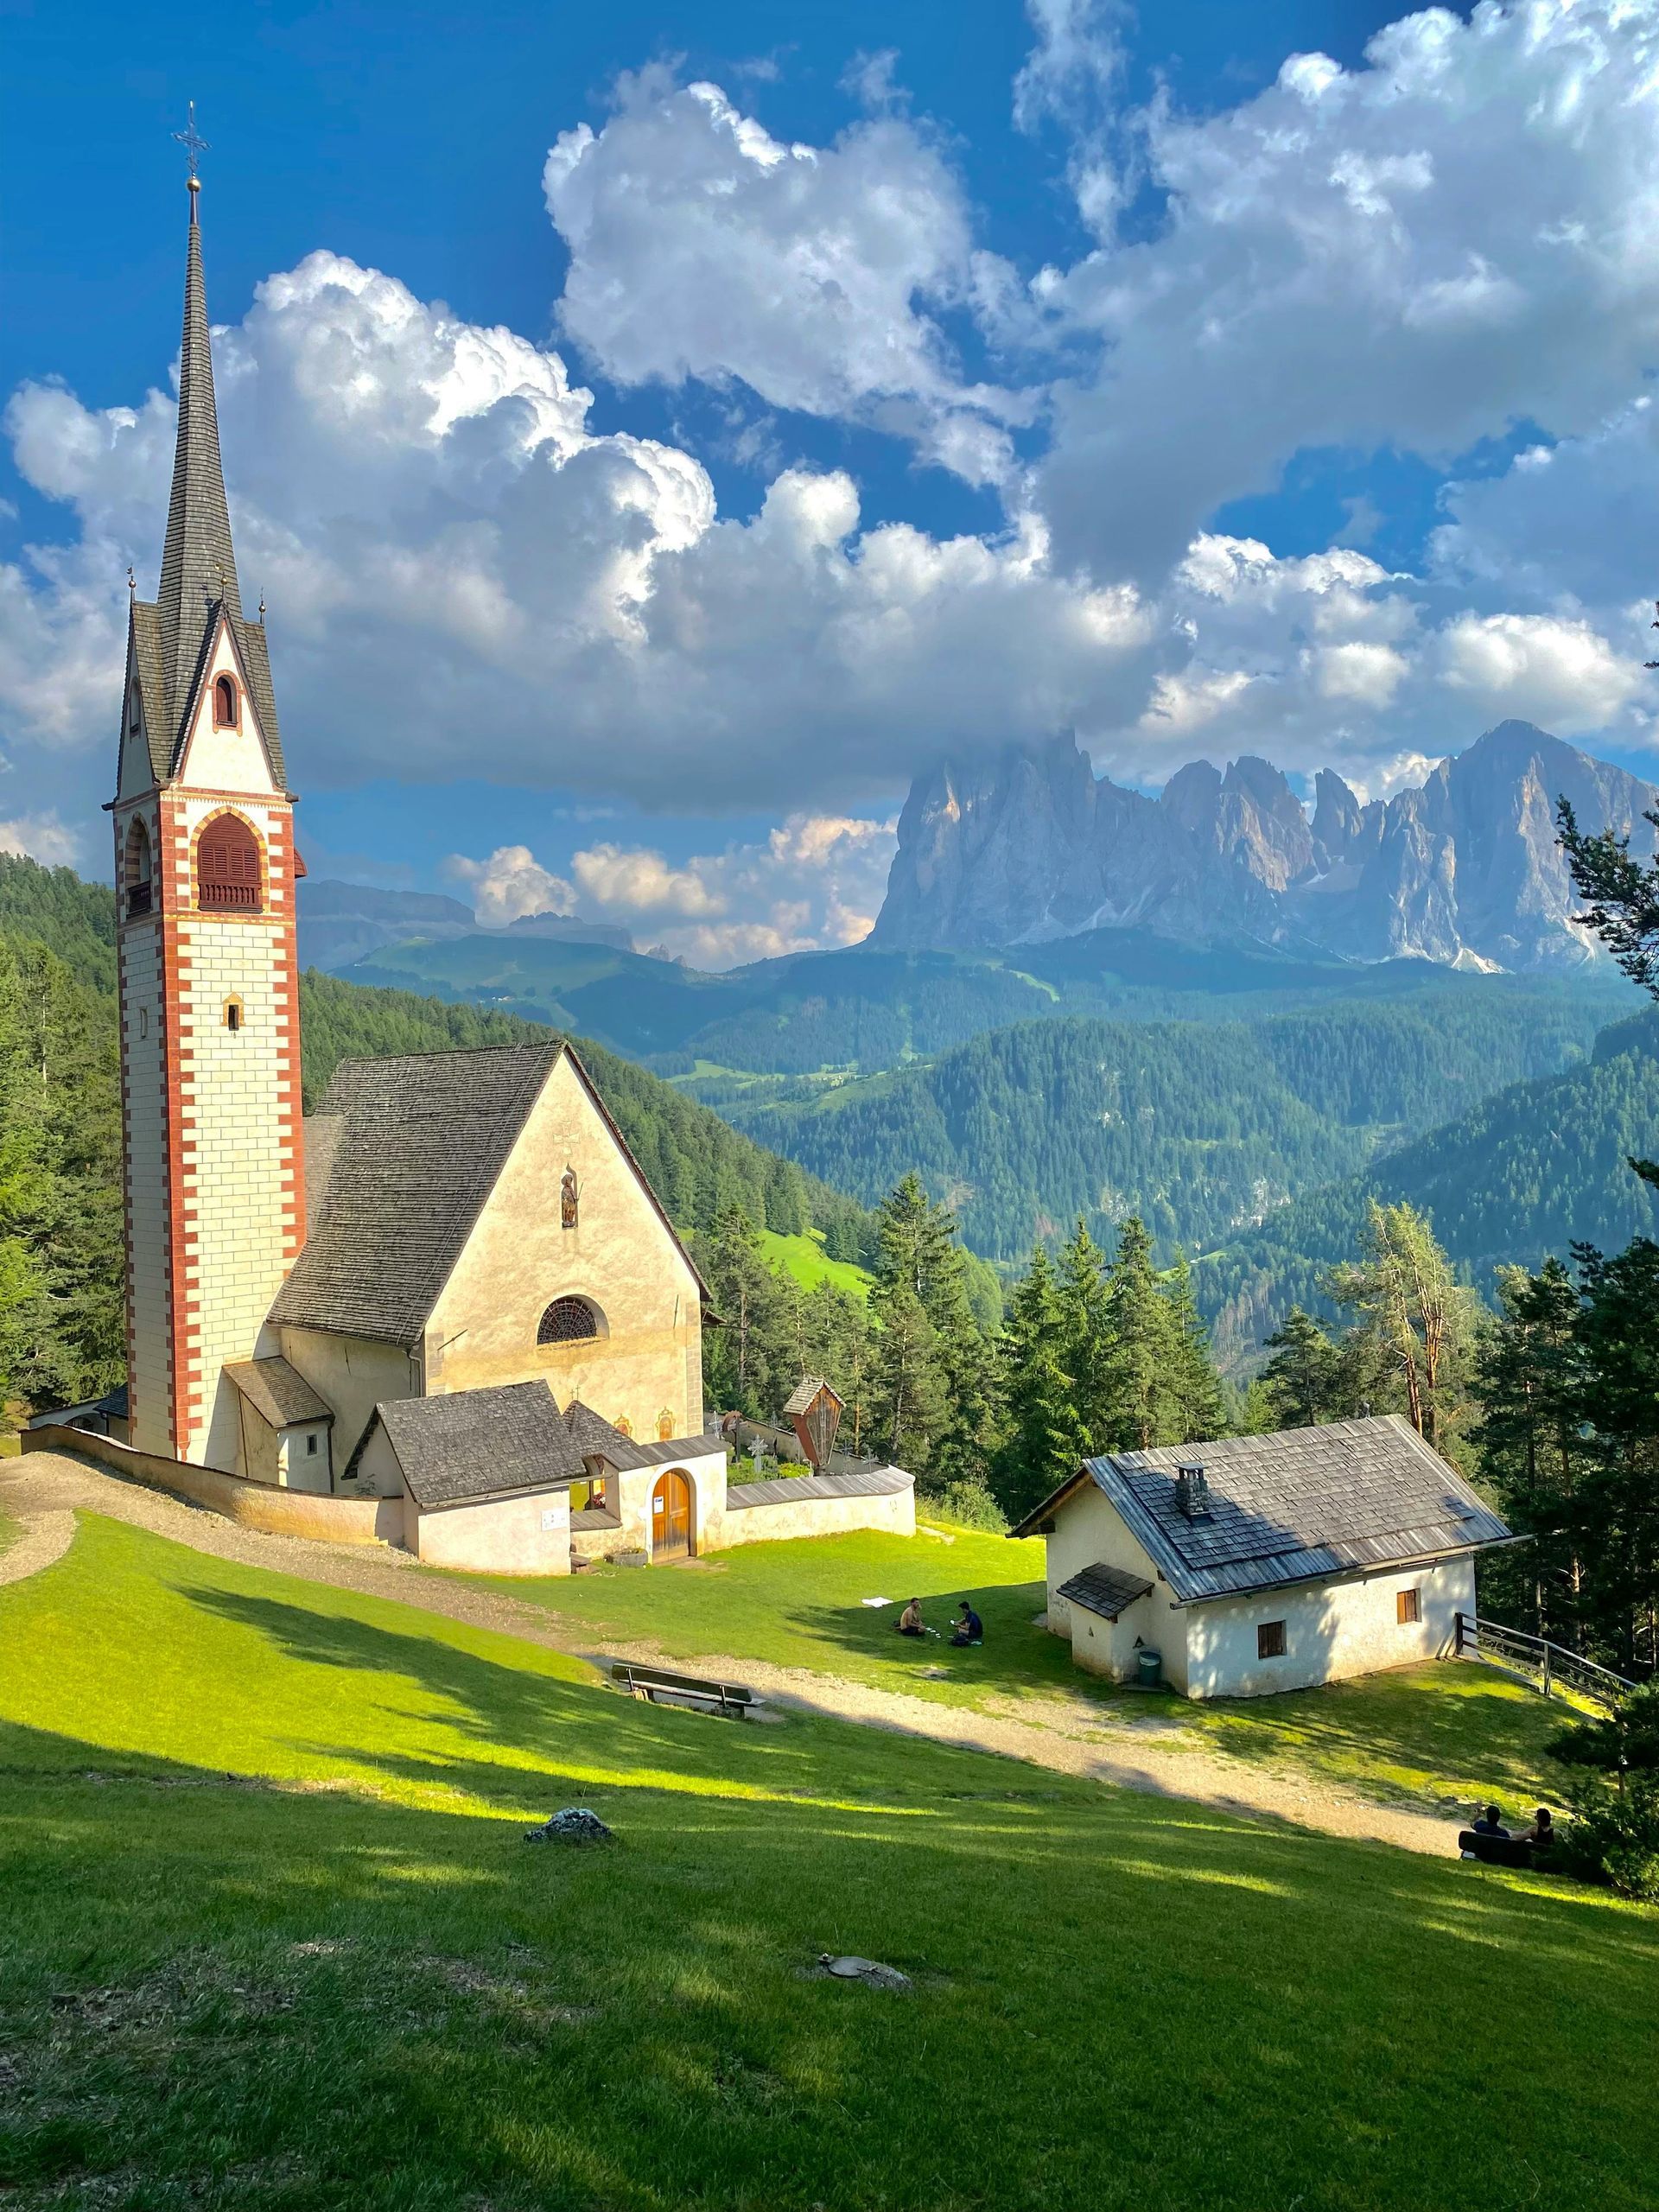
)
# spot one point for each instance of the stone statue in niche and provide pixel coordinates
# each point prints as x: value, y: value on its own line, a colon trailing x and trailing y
x: 569, y: 1201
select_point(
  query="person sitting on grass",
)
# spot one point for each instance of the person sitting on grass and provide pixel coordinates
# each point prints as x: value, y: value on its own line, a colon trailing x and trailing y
x: 1492, y: 1823
x: 969, y: 1629
x: 910, y: 1621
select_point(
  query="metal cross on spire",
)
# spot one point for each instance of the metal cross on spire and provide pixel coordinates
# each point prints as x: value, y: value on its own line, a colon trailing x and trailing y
x: 192, y: 143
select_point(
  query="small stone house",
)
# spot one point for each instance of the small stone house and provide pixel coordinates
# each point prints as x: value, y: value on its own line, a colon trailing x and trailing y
x: 1264, y: 1563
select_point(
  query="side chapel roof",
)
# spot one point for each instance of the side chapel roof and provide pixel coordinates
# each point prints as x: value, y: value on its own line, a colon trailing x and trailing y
x: 478, y: 1444
x: 419, y: 1143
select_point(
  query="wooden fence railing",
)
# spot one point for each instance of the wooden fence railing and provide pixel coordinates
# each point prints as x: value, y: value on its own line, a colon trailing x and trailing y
x: 1551, y: 1667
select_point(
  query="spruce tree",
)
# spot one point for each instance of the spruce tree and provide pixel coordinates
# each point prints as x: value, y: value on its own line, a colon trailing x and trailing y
x: 1087, y: 1348
x: 1529, y: 1384
x: 1043, y: 1436
x: 907, y: 1402
x: 918, y: 1255
x: 1303, y: 1380
x: 1193, y: 1408
x: 1139, y: 1321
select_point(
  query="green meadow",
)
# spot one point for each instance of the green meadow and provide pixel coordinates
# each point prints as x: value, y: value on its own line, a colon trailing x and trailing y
x: 271, y: 1938
x: 1444, y: 1735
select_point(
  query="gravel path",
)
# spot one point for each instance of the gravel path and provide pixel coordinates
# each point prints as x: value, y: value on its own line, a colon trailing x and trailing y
x: 43, y: 1490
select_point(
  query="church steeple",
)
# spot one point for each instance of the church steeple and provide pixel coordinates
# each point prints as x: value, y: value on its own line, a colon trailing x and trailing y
x: 198, y: 560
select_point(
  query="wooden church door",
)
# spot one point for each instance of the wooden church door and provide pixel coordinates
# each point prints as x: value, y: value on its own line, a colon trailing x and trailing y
x: 670, y: 1516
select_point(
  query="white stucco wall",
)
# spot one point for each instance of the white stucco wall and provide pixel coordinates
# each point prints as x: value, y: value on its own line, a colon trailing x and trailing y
x: 376, y: 1473
x: 1332, y: 1630
x: 529, y: 1533
x: 894, y: 1514
x: 1088, y: 1532
x: 353, y: 1375
x: 647, y: 1361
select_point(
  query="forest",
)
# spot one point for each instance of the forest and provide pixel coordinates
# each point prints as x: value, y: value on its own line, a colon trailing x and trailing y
x: 60, y: 1269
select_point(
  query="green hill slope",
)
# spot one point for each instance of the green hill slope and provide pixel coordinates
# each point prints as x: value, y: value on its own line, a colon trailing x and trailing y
x: 1529, y: 1172
x: 864, y: 1009
x: 1203, y: 1128
x: 281, y: 1945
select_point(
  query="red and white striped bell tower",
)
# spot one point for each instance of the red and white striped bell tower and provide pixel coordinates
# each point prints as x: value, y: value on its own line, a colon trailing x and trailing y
x: 209, y: 983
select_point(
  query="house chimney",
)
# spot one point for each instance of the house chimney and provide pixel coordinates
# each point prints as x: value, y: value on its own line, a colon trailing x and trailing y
x: 1192, y: 1493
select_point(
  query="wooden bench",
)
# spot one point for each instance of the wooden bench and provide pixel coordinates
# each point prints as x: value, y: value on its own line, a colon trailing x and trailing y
x: 657, y: 1684
x: 1497, y: 1850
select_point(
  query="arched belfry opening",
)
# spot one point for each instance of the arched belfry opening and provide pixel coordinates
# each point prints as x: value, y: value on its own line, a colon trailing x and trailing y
x: 228, y: 874
x: 136, y: 881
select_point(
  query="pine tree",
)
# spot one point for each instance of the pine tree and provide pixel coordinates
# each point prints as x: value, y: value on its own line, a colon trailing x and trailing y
x: 1043, y: 1436
x: 747, y: 1357
x: 1193, y: 1408
x: 907, y: 1409
x: 1139, y: 1319
x: 1088, y: 1348
x: 1529, y: 1381
x: 1303, y: 1380
x: 918, y: 1255
x: 1413, y: 1315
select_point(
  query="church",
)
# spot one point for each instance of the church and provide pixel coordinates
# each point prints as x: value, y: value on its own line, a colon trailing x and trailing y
x: 451, y: 1288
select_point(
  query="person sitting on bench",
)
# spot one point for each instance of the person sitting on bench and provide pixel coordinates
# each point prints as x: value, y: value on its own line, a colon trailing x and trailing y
x: 969, y: 1629
x: 910, y: 1621
x: 1492, y: 1823
x: 1542, y: 1834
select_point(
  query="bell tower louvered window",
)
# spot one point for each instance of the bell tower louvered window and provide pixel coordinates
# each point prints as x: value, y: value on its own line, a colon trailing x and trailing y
x: 227, y: 866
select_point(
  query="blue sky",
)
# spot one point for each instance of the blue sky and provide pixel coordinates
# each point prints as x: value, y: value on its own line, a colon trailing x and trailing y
x: 957, y: 376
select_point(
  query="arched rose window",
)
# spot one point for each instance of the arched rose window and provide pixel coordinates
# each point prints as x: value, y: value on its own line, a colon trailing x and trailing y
x: 567, y: 1321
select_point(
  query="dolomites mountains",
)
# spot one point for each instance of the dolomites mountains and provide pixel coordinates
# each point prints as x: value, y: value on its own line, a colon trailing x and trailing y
x: 1028, y: 845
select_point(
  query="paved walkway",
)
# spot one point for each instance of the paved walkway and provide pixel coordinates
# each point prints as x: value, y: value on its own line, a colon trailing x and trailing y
x: 43, y: 1490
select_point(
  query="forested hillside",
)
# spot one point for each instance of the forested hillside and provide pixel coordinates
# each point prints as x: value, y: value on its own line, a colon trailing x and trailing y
x: 1203, y: 1129
x: 866, y: 1009
x: 60, y: 1332
x: 1524, y: 1174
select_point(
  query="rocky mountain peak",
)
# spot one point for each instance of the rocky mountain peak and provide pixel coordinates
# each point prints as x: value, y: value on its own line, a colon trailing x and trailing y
x: 1028, y: 844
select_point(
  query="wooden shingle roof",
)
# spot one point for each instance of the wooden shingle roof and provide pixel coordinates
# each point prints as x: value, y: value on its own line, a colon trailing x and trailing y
x: 473, y: 1445
x: 1294, y: 1507
x: 1104, y: 1589
x: 279, y: 1393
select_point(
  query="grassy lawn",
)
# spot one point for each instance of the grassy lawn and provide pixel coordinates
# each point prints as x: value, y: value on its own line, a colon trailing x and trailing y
x: 1448, y: 1732
x: 271, y: 1939
x: 805, y: 1260
x: 799, y: 1604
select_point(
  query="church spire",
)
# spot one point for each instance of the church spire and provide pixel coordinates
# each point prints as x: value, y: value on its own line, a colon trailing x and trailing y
x: 198, y: 560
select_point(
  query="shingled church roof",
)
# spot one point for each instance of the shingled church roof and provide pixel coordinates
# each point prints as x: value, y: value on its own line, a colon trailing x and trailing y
x: 1294, y: 1507
x: 478, y: 1444
x: 404, y: 1152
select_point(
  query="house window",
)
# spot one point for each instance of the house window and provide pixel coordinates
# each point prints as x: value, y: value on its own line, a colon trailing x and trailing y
x: 226, y: 705
x: 311, y: 1445
x: 228, y: 874
x: 567, y: 1321
x: 664, y: 1425
x: 1408, y: 1607
x: 591, y: 1496
x: 1270, y: 1640
x: 234, y: 1014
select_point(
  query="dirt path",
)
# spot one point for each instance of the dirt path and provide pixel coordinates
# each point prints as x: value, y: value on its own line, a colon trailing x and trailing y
x: 42, y: 1490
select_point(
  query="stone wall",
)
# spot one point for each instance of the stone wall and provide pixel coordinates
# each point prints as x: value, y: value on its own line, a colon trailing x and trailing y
x: 250, y: 1505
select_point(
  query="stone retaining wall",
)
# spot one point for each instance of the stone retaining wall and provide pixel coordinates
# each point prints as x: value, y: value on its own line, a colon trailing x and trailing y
x: 250, y: 1505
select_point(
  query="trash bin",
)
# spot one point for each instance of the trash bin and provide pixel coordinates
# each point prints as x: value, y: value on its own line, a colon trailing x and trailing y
x: 1148, y: 1669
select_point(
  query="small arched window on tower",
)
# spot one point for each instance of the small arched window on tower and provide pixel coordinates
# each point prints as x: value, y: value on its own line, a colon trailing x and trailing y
x: 136, y: 880
x: 228, y: 711
x: 228, y: 877
x: 234, y: 1014
x: 135, y: 710
x: 567, y: 1321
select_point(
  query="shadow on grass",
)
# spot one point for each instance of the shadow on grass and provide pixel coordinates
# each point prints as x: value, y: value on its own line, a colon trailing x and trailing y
x: 1460, y: 1729
x: 211, y: 1988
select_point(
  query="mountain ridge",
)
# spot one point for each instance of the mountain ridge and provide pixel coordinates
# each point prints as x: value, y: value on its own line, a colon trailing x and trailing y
x: 1028, y: 846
